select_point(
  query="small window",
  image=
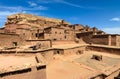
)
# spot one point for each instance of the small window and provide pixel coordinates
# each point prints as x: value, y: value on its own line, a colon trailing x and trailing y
x: 15, y: 44
x: 65, y: 37
x: 23, y: 33
x: 55, y: 32
x: 36, y: 35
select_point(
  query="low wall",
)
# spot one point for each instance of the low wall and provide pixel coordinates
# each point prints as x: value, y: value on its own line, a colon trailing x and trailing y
x: 27, y: 73
x: 104, y: 49
x: 75, y: 50
x: 42, y: 43
x: 70, y: 51
x: 113, y: 75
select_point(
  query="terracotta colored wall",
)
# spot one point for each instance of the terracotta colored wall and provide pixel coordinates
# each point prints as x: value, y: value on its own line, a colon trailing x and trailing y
x: 59, y: 34
x: 6, y: 40
x: 48, y: 54
x: 118, y: 41
x: 115, y: 74
x: 103, y: 40
x: 34, y: 74
x: 113, y: 40
x: 73, y: 51
x: 106, y: 50
x: 42, y: 43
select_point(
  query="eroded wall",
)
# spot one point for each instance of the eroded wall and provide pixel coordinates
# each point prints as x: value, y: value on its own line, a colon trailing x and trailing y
x: 8, y: 40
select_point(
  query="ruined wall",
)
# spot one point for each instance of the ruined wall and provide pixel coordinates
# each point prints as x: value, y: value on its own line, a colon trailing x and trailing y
x: 100, y: 39
x: 8, y: 40
x: 63, y: 42
x: 76, y: 50
x: 48, y: 54
x: 59, y: 34
x: 41, y: 43
x: 118, y: 41
x: 104, y: 49
x: 86, y: 36
x: 32, y: 73
x: 113, y: 40
x: 113, y: 75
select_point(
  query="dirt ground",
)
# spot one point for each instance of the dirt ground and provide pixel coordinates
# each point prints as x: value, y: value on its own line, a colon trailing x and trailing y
x: 79, y: 66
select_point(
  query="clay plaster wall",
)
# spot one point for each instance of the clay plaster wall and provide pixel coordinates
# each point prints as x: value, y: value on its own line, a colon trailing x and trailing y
x: 113, y: 40
x: 85, y: 36
x: 33, y: 74
x: 118, y: 41
x: 42, y: 43
x: 48, y: 54
x: 73, y: 51
x: 105, y: 50
x: 6, y: 40
x: 115, y: 74
x: 103, y: 39
x: 59, y: 34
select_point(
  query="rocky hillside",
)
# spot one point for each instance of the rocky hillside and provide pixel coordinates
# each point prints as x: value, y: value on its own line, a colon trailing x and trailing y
x: 32, y: 20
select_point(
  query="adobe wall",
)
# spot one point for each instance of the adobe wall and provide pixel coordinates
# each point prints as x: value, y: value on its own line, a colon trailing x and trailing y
x: 85, y: 36
x: 104, y: 49
x: 59, y: 34
x: 100, y: 39
x: 25, y: 34
x: 76, y: 50
x: 6, y: 40
x: 42, y: 43
x: 118, y: 41
x: 113, y: 40
x: 35, y: 73
x: 113, y: 75
x: 63, y: 42
x: 48, y: 54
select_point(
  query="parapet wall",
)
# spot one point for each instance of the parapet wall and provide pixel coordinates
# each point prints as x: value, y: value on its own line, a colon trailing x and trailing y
x: 36, y: 72
x: 104, y: 49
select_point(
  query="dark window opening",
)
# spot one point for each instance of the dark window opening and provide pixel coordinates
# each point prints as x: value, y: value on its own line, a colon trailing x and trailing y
x: 36, y: 35
x: 65, y: 37
x: 14, y: 43
x: 23, y: 33
x: 55, y: 32
x: 58, y: 52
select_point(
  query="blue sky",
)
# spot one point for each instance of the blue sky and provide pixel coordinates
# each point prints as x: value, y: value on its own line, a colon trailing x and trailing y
x: 104, y: 14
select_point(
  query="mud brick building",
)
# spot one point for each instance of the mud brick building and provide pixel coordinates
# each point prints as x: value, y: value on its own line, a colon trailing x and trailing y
x: 20, y: 28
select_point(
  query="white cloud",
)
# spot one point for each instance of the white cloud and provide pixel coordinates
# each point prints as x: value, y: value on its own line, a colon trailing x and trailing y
x: 61, y: 1
x: 117, y: 19
x: 21, y: 9
x: 115, y: 30
x: 67, y: 3
x: 32, y: 3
